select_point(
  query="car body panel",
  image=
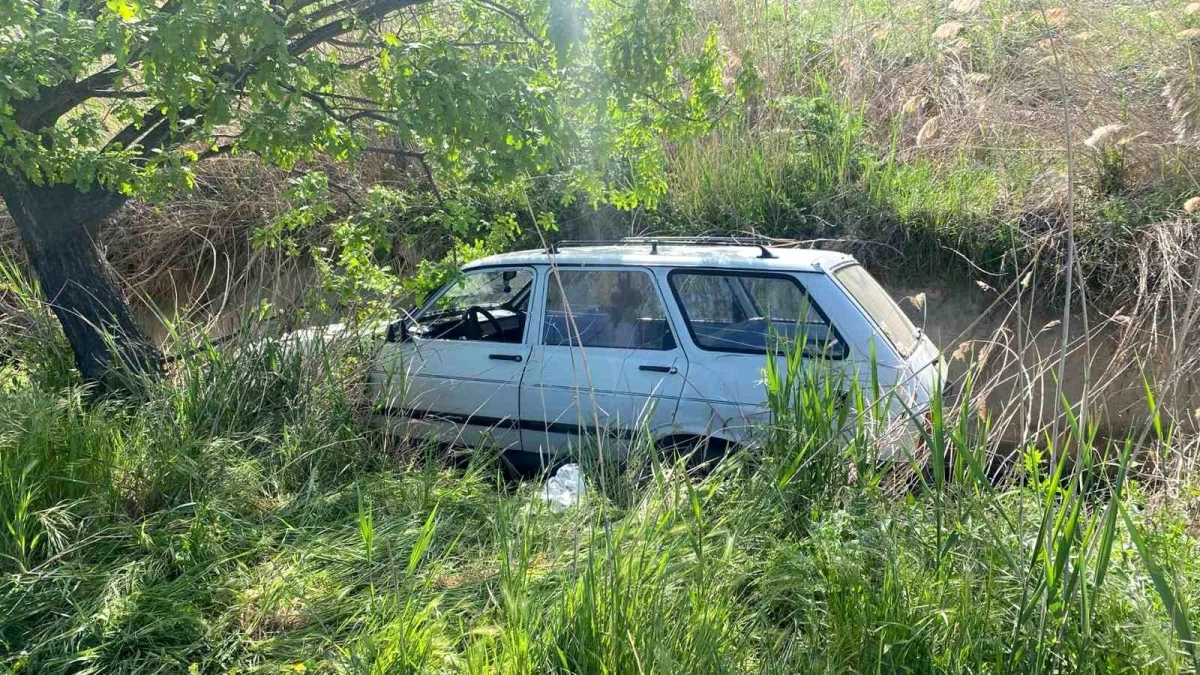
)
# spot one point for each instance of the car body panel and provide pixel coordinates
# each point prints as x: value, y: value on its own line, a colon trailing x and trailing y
x: 574, y: 396
x: 459, y: 393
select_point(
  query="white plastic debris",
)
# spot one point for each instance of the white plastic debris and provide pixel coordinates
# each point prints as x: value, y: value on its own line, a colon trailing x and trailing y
x: 564, y: 489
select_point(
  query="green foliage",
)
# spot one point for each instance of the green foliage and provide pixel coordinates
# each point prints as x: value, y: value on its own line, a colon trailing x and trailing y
x: 243, y: 517
x: 1110, y: 170
x: 33, y: 337
x: 134, y: 93
x: 351, y: 252
x: 310, y: 198
x: 477, y: 96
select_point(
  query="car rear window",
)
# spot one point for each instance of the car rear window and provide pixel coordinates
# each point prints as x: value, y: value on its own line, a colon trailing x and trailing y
x: 880, y: 307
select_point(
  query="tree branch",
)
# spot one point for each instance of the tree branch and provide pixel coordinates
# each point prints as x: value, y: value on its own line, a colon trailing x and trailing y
x: 347, y: 117
x: 301, y: 6
x: 326, y: 12
x: 419, y: 158
x: 53, y: 102
x: 112, y: 93
x: 347, y: 97
x: 354, y: 44
x: 155, y: 137
x: 491, y: 43
x: 100, y: 79
x: 136, y: 129
x: 370, y: 115
x: 511, y: 15
x: 396, y: 152
x: 339, y: 27
x: 149, y: 133
x: 355, y: 65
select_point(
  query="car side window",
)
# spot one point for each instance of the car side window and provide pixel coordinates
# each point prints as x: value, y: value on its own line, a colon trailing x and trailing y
x: 618, y: 309
x: 747, y: 311
x: 489, y: 305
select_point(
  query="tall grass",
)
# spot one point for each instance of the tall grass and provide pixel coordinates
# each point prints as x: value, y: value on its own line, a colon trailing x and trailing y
x: 817, y: 168
x: 936, y: 155
x: 242, y: 516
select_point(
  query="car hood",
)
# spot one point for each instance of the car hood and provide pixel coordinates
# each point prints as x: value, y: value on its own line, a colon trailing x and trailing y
x: 339, y: 334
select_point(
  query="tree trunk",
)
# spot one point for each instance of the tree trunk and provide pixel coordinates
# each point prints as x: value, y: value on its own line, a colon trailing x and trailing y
x: 58, y: 225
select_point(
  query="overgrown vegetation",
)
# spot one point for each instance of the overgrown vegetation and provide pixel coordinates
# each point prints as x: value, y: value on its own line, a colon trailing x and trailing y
x: 242, y: 516
x: 931, y: 138
x: 927, y: 138
x: 104, y: 101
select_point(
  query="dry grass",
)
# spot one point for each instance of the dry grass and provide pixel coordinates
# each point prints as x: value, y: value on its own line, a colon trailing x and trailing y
x: 977, y: 80
x: 193, y: 255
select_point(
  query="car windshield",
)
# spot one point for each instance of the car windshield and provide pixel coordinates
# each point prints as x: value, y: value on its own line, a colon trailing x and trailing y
x: 487, y: 289
x: 880, y: 307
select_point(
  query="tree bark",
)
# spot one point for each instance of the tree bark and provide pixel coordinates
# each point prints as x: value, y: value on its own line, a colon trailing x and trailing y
x: 58, y: 225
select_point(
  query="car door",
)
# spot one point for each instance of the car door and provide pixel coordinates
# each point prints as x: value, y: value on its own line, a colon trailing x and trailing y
x: 606, y: 367
x: 454, y: 374
x: 734, y: 319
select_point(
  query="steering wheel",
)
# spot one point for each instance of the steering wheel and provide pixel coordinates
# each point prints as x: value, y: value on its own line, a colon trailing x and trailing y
x: 472, y: 322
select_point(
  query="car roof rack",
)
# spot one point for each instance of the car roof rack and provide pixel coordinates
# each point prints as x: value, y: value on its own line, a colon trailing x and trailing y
x: 761, y: 242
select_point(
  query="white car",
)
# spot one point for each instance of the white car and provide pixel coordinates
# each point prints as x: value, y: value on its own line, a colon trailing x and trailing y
x: 548, y: 351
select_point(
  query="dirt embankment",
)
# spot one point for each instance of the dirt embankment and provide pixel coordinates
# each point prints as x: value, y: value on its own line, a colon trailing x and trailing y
x: 1013, y: 348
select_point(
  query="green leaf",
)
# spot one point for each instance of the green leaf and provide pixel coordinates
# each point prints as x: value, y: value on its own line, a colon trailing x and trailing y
x: 1176, y: 609
x: 127, y: 9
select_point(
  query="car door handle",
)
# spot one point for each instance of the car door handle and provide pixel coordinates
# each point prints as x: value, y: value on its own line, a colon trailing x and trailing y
x: 505, y: 357
x: 659, y: 369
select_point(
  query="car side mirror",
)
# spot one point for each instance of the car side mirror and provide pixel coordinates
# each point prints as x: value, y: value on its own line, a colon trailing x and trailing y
x: 828, y: 349
x: 397, y: 331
